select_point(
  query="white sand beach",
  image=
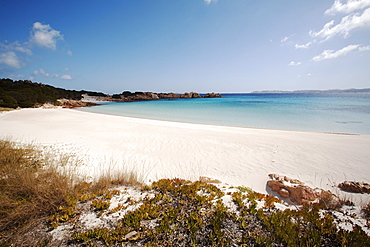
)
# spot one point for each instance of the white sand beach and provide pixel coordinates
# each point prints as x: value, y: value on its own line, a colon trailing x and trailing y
x: 160, y: 149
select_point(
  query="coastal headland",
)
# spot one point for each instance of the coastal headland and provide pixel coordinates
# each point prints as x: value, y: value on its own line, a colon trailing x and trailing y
x: 137, y: 96
x: 25, y: 94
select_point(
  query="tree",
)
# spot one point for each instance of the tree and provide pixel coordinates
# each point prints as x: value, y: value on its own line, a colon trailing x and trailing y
x: 8, y: 101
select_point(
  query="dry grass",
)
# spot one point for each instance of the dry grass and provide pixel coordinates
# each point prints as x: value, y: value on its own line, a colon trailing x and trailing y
x: 31, y: 189
x: 366, y: 211
x: 27, y: 191
x: 114, y: 177
x: 6, y: 109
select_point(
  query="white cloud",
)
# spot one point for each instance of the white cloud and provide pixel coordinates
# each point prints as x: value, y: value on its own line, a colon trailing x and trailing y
x: 348, y: 7
x: 13, y: 54
x: 328, y: 54
x: 285, y: 39
x: 347, y: 24
x: 43, y: 73
x: 10, y: 59
x: 16, y: 46
x: 308, y: 74
x: 66, y: 77
x: 45, y: 36
x: 364, y: 48
x: 292, y: 63
x: 24, y: 50
x: 305, y: 46
x: 210, y: 1
x: 16, y: 77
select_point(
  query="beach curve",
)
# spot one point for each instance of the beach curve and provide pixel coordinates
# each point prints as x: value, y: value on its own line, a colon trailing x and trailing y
x: 161, y: 149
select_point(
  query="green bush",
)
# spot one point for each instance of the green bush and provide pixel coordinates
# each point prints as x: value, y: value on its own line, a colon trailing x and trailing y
x: 8, y: 101
x: 28, y: 94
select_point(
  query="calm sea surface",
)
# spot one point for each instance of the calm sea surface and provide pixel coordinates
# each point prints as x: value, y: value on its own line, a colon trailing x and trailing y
x: 339, y: 113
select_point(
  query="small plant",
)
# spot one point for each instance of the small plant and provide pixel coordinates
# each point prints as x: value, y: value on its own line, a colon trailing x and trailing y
x: 366, y: 211
x: 99, y: 205
x: 270, y: 201
x: 117, y: 209
x: 29, y: 189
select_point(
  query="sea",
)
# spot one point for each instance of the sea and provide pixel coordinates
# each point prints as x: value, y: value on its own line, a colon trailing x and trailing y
x: 347, y: 113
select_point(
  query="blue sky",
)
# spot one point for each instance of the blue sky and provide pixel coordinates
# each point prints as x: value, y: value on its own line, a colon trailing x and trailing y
x: 187, y: 45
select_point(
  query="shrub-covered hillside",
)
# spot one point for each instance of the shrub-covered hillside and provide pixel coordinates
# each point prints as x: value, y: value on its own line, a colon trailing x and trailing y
x: 24, y: 94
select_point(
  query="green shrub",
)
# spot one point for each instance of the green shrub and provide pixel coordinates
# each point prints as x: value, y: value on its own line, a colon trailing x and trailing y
x: 8, y: 101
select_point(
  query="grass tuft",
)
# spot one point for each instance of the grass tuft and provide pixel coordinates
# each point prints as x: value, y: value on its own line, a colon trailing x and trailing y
x: 34, y: 189
x: 28, y: 191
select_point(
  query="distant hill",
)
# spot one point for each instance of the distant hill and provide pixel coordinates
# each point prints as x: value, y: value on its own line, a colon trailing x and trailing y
x: 352, y: 90
x: 26, y: 93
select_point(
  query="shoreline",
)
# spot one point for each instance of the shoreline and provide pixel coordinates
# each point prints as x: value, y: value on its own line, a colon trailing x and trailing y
x: 163, y: 149
x: 220, y: 125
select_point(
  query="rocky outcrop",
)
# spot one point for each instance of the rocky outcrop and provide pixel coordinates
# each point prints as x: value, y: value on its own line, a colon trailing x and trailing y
x: 355, y: 187
x: 212, y: 95
x: 75, y: 103
x: 144, y: 96
x: 299, y: 193
x: 190, y: 95
x: 141, y: 96
x: 168, y: 96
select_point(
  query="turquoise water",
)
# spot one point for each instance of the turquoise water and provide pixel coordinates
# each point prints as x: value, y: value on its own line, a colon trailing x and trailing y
x: 338, y: 113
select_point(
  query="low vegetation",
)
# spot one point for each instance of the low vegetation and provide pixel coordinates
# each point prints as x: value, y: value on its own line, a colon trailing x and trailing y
x: 34, y: 194
x: 185, y: 213
x: 169, y: 212
x: 28, y: 193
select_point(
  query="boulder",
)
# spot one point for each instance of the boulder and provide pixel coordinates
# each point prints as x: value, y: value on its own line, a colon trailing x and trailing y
x: 194, y: 95
x: 186, y: 95
x: 212, y: 95
x: 284, y: 178
x: 284, y: 193
x: 355, y: 187
x: 299, y: 193
x: 275, y: 185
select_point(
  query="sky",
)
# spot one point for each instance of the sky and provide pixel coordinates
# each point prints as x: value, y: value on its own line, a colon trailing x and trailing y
x: 180, y: 46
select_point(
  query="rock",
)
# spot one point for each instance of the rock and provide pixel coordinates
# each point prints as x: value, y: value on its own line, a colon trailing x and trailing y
x: 75, y: 103
x: 355, y: 187
x: 185, y: 95
x: 212, y: 95
x: 297, y: 192
x: 284, y: 193
x: 127, y: 96
x: 168, y: 96
x: 209, y: 180
x: 131, y: 235
x: 275, y: 185
x: 301, y: 194
x: 194, y: 95
x: 285, y: 178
